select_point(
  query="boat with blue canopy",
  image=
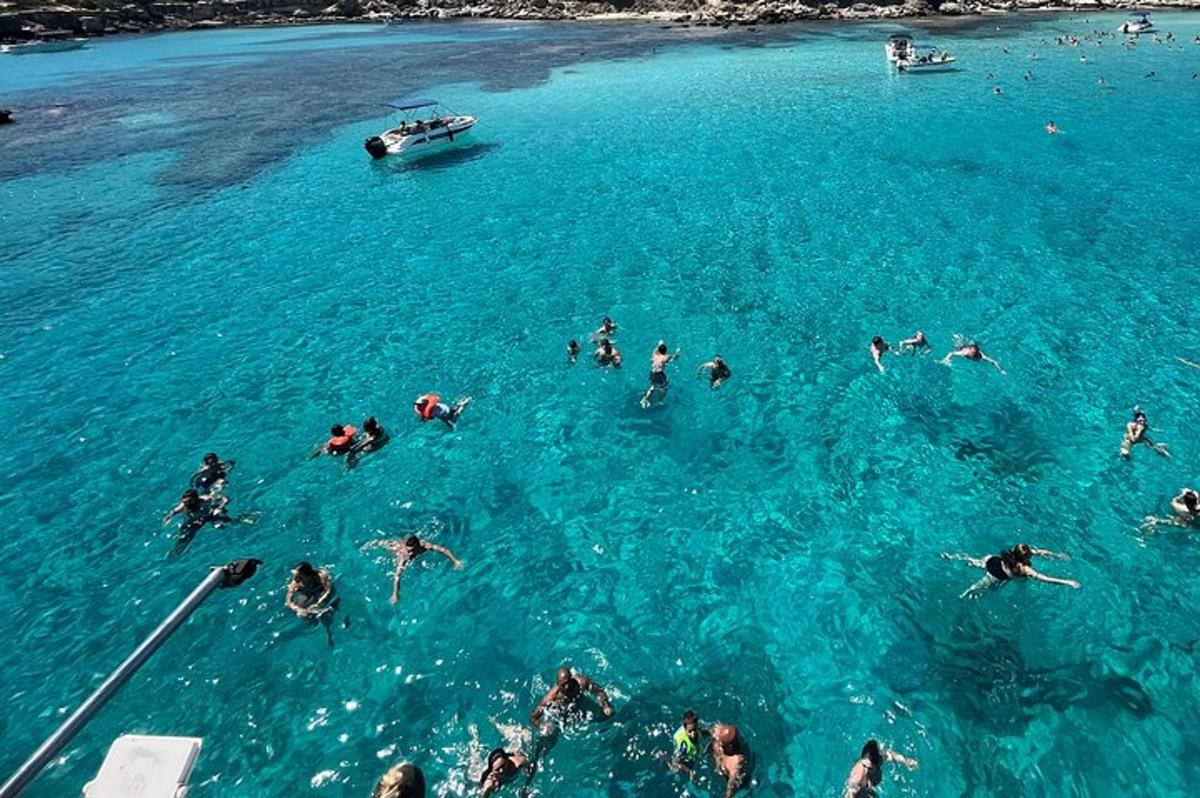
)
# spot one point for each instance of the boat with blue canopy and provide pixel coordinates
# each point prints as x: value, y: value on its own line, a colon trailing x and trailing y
x: 423, y: 126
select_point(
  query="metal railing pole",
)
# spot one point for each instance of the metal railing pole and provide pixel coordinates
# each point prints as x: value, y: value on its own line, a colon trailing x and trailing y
x: 79, y: 718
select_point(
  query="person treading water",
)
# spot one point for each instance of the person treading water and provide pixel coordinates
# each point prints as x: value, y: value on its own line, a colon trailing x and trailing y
x: 309, y: 592
x: 406, y: 553
x: 1014, y: 563
x: 918, y: 343
x: 607, y: 329
x: 607, y: 355
x: 718, y: 371
x: 659, y: 359
x: 730, y: 756
x: 867, y: 772
x: 687, y: 745
x: 878, y: 348
x: 429, y: 406
x: 341, y: 440
x: 560, y: 699
x: 1135, y: 435
x: 199, y: 509
x: 573, y: 350
x: 213, y: 474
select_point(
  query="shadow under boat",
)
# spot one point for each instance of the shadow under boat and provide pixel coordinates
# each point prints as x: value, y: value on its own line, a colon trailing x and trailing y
x: 446, y: 158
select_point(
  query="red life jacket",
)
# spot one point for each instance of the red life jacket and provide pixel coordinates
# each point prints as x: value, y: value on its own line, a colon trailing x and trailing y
x: 424, y: 406
x: 343, y: 441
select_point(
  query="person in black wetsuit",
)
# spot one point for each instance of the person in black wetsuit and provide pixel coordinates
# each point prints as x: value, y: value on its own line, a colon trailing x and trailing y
x: 213, y: 474
x: 1014, y: 563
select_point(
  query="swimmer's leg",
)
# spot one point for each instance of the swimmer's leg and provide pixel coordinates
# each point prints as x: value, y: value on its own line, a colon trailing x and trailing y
x: 979, y: 588
x: 977, y: 562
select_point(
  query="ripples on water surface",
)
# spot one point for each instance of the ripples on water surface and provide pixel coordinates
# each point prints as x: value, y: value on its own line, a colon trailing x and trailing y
x: 197, y: 254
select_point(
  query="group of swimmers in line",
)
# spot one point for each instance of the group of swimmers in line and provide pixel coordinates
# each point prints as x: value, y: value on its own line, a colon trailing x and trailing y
x: 722, y: 744
x: 919, y: 344
x: 607, y: 355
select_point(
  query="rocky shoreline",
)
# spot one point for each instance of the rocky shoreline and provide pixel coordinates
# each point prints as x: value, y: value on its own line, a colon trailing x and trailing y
x: 22, y: 20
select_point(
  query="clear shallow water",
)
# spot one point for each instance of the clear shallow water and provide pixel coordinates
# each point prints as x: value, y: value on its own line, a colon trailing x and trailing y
x: 224, y: 269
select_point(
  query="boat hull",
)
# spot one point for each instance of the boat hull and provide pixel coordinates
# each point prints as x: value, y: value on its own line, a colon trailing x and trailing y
x: 392, y: 142
x: 33, y: 48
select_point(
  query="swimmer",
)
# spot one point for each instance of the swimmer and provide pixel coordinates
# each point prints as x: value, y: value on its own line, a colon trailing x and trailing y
x: 1051, y: 128
x: 718, y: 371
x: 997, y: 90
x: 406, y: 553
x: 607, y: 355
x: 607, y: 329
x: 402, y: 781
x: 730, y: 757
x: 868, y: 770
x: 213, y: 474
x: 197, y: 511
x: 658, y: 374
x: 502, y: 767
x: 1011, y: 564
x: 918, y: 343
x: 1151, y: 74
x: 990, y: 77
x: 573, y: 349
x: 970, y: 351
x: 686, y: 745
x: 1135, y: 434
x: 878, y: 347
x: 1187, y: 506
x: 341, y: 441
x: 374, y: 436
x: 429, y: 406
x: 562, y: 697
x: 309, y: 591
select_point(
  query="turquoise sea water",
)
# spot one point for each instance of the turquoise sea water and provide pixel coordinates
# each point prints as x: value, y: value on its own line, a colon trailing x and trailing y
x: 197, y: 254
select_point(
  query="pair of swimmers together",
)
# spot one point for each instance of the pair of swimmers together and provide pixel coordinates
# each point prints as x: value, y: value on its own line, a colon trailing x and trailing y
x: 730, y: 755
x: 204, y: 502
x: 344, y: 439
x: 919, y: 343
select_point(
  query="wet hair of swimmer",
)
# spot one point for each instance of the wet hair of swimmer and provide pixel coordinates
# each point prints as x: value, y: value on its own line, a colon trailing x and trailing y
x: 413, y: 542
x: 1023, y: 553
x: 402, y: 781
x: 1191, y: 500
x: 661, y: 349
x: 371, y: 426
x: 337, y: 430
x: 606, y: 345
x: 190, y: 498
x: 877, y: 341
x: 304, y: 568
x: 211, y: 459
x: 690, y: 718
x: 871, y: 753
x: 572, y: 345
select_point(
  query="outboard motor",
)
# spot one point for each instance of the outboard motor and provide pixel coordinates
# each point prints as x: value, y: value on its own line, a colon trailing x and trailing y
x: 376, y: 147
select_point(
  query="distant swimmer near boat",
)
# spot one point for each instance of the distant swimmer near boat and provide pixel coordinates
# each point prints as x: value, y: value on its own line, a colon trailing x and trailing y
x: 560, y: 699
x: 1135, y: 434
x: 1010, y: 564
x: 878, y: 347
x: 429, y: 407
x: 401, y: 781
x: 971, y: 351
x: 867, y: 772
x: 718, y: 371
x: 1051, y: 128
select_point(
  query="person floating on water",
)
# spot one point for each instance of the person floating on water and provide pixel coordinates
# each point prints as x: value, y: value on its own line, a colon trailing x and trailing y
x: 561, y: 699
x: 573, y: 349
x: 867, y: 772
x: 401, y: 781
x: 341, y: 441
x: 406, y: 553
x: 429, y: 406
x: 213, y: 474
x: 1187, y: 506
x: 918, y: 343
x: 606, y: 355
x: 607, y: 329
x: 502, y: 768
x: 309, y: 592
x: 730, y: 756
x: 687, y: 745
x: 1010, y: 564
x: 1052, y: 128
x: 658, y: 374
x: 375, y: 437
x: 718, y: 371
x: 1135, y: 435
x: 971, y: 351
x: 878, y: 347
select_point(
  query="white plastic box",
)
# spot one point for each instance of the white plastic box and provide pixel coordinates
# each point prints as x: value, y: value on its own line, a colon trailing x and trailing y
x: 143, y: 766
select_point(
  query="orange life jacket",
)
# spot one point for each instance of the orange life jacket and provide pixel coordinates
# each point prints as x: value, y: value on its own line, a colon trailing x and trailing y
x: 342, y: 441
x: 425, y: 405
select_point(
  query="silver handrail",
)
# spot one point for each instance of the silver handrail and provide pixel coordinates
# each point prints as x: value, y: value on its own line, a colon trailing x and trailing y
x: 230, y: 575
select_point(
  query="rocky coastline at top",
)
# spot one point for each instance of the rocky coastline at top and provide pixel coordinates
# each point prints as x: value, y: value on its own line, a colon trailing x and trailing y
x: 24, y: 19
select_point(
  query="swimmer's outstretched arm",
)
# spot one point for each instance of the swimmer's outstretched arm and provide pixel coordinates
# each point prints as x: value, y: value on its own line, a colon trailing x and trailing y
x: 979, y: 588
x: 987, y: 359
x: 326, y: 585
x: 946, y: 360
x: 977, y: 562
x: 400, y: 566
x: 536, y: 716
x: 896, y: 756
x: 1051, y: 554
x: 445, y: 552
x: 709, y: 365
x: 601, y: 696
x: 1033, y: 574
x: 174, y: 511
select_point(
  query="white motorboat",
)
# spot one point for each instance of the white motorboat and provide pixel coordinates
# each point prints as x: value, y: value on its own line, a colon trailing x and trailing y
x: 909, y: 57
x: 50, y: 41
x: 1138, y: 22
x: 416, y: 132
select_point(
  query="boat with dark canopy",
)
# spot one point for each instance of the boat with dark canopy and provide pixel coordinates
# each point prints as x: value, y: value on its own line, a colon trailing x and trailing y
x: 416, y: 131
